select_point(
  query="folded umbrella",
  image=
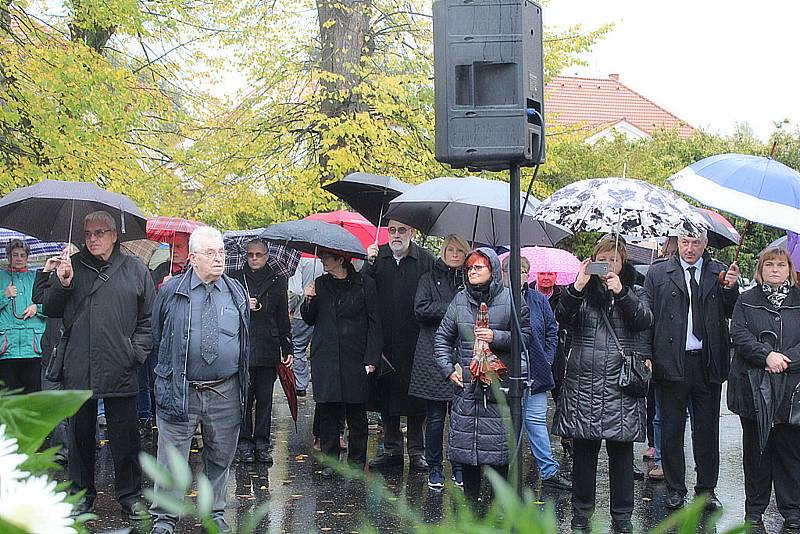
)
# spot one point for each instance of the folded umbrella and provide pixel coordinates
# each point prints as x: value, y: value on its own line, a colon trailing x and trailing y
x: 311, y: 236
x: 54, y: 210
x: 368, y: 194
x: 472, y: 208
x: 289, y: 385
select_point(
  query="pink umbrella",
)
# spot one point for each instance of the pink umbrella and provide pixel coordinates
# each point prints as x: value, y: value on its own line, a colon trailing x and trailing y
x: 551, y: 260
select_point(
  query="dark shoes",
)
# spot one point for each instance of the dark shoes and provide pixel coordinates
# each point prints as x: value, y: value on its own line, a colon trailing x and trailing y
x: 222, y: 526
x: 674, y: 500
x: 247, y: 456
x: 580, y: 523
x: 386, y: 460
x: 137, y: 511
x: 712, y: 504
x: 621, y: 525
x: 83, y: 507
x: 300, y: 392
x: 638, y: 474
x: 417, y: 463
x: 754, y: 520
x: 792, y: 524
x: 327, y: 472
x: 264, y: 456
x: 558, y: 482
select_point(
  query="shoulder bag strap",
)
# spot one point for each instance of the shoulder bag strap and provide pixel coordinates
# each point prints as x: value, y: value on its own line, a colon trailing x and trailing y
x: 102, y: 277
x: 613, y: 332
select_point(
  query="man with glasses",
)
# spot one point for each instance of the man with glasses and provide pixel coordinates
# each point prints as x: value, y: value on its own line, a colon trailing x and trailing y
x: 104, y: 298
x: 396, y: 269
x: 201, y: 323
x: 270, y: 346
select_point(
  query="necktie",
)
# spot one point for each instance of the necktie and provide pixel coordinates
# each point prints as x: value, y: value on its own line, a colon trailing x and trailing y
x: 697, y: 313
x: 210, y: 336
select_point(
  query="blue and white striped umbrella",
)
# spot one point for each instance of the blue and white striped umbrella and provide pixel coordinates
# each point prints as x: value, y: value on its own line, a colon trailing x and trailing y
x: 38, y: 247
x: 757, y: 188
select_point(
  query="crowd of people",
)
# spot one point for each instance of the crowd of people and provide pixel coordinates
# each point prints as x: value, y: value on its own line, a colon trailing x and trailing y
x: 415, y: 337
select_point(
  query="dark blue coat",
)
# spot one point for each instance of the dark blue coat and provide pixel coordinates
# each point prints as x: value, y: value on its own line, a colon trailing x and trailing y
x: 170, y: 323
x: 544, y: 339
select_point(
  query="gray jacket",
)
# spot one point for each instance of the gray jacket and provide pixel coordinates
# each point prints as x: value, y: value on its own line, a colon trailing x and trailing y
x: 171, y: 322
x: 591, y: 404
x: 478, y: 430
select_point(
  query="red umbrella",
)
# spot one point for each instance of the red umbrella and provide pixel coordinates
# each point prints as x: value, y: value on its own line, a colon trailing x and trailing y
x: 356, y: 224
x: 164, y: 229
x: 289, y: 384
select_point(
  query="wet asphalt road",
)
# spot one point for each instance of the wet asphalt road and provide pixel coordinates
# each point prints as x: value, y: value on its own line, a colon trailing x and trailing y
x: 301, y: 501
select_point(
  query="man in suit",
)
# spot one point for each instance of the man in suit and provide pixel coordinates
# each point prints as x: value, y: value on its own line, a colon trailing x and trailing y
x: 691, y: 358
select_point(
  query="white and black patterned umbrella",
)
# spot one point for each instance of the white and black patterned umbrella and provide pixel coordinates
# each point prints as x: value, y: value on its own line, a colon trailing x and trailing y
x: 621, y: 205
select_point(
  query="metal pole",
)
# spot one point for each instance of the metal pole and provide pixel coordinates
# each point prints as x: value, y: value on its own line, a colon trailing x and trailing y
x: 515, y: 390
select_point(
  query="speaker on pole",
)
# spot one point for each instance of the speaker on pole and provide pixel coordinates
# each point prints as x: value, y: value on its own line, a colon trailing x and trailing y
x: 488, y: 82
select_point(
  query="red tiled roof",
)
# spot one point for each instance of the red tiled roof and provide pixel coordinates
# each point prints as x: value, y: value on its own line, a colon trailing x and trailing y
x: 596, y: 103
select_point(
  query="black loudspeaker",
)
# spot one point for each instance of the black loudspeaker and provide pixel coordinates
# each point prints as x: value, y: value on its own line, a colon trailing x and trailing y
x: 488, y: 82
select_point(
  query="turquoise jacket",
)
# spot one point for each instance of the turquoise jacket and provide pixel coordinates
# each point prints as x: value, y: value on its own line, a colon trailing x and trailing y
x: 19, y: 338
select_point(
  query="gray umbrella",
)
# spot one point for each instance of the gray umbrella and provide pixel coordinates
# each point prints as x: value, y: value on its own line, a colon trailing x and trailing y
x: 368, y: 194
x: 312, y: 236
x: 473, y: 208
x: 53, y: 210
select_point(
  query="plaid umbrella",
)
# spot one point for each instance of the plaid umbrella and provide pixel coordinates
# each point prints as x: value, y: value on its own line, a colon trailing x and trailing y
x: 163, y: 229
x: 282, y: 259
x: 143, y: 248
x: 38, y: 247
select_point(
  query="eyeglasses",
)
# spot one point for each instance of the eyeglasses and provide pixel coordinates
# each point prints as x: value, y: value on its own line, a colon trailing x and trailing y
x: 97, y: 234
x: 211, y: 254
x: 257, y: 255
x: 397, y: 230
x: 476, y: 268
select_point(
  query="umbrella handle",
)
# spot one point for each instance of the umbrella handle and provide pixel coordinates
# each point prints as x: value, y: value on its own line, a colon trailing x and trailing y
x: 722, y: 274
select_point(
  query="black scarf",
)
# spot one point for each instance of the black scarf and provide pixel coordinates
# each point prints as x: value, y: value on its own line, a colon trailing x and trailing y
x: 258, y: 281
x: 480, y: 292
x: 776, y: 295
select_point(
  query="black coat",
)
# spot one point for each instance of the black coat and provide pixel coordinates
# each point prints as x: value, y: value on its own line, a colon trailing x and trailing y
x: 434, y: 294
x: 397, y: 287
x: 753, y: 318
x: 591, y: 404
x: 478, y: 430
x: 347, y: 336
x: 52, y: 327
x: 270, y: 329
x: 111, y: 338
x: 666, y: 290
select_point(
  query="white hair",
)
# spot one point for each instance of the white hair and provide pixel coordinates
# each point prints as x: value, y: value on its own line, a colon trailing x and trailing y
x: 199, y: 233
x: 101, y: 216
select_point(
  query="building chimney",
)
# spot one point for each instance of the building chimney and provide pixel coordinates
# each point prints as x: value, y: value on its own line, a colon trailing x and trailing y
x: 614, y: 77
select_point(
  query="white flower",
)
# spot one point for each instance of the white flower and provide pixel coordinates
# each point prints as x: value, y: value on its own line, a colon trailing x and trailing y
x: 10, y: 461
x: 34, y: 506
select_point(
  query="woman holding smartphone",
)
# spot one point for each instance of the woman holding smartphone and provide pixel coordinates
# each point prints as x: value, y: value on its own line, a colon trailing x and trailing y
x: 592, y: 407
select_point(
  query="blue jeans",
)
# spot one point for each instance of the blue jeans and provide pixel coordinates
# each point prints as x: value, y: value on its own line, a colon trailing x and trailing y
x: 538, y: 435
x: 434, y: 433
x: 657, y: 429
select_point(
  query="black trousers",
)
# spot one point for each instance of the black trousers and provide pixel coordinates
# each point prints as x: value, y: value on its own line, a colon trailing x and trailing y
x: 21, y: 373
x: 472, y: 480
x: 329, y: 415
x: 256, y: 434
x: 778, y: 465
x: 584, y: 477
x: 393, y: 437
x: 673, y: 398
x: 123, y: 437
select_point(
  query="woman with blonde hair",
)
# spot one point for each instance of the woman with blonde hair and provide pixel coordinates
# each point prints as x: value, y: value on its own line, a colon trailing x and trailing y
x: 435, y: 292
x: 766, y: 336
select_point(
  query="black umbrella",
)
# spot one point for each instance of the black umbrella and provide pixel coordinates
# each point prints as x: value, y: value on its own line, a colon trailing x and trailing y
x: 312, y: 236
x: 54, y: 210
x: 368, y: 194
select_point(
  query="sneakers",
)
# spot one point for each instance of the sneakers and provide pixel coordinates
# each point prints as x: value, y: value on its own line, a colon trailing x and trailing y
x: 558, y: 482
x: 656, y: 473
x: 435, y: 478
x: 458, y: 476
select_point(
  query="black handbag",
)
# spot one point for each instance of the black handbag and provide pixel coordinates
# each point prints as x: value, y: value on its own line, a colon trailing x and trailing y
x: 634, y: 376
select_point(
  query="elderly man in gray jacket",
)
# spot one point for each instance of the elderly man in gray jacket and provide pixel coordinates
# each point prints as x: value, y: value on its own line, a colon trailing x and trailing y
x: 201, y: 328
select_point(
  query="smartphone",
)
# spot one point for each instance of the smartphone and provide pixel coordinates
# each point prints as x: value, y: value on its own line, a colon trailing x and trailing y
x: 600, y: 268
